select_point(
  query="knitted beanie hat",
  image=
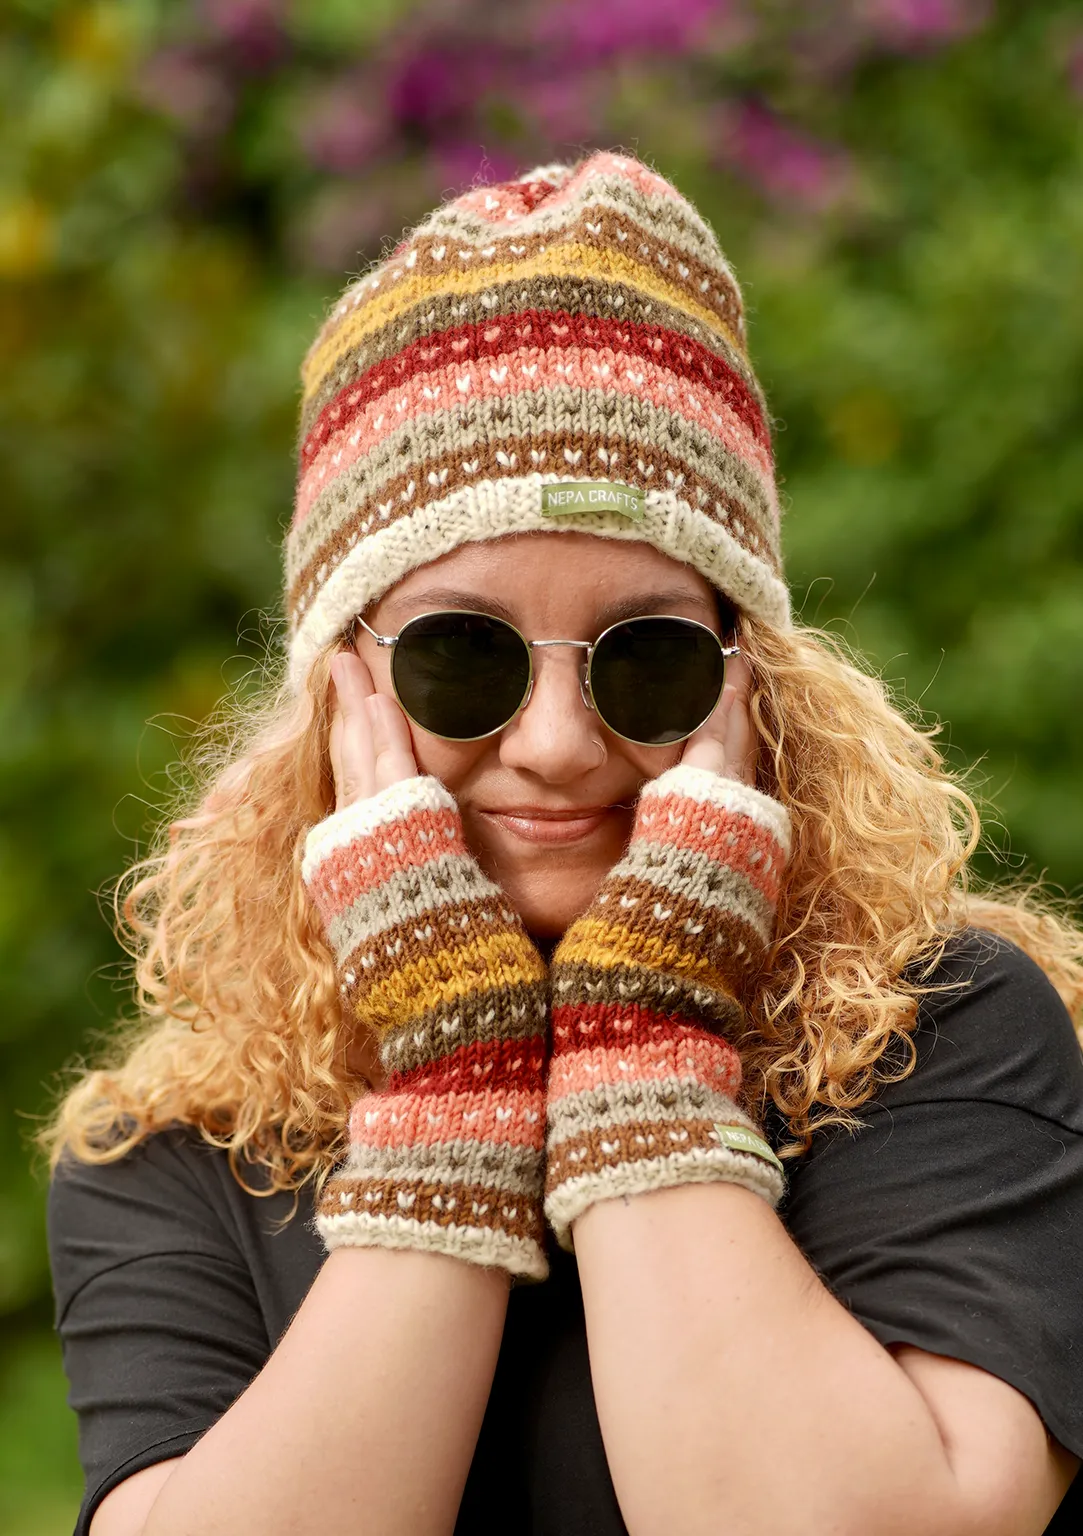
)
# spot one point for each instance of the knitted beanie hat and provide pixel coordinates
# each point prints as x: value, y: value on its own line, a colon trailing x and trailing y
x: 564, y: 351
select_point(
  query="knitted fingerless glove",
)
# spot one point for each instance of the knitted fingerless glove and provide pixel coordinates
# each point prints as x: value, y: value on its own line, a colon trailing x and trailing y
x: 647, y: 985
x: 448, y: 1155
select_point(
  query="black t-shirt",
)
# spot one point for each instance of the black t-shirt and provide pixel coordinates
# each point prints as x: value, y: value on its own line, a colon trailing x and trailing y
x: 953, y: 1221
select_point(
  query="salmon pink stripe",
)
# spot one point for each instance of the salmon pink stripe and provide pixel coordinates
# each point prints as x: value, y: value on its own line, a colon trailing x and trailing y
x: 402, y: 1120
x: 681, y: 354
x: 349, y: 872
x: 523, y: 372
x: 494, y: 1064
x: 679, y: 822
x: 704, y: 1058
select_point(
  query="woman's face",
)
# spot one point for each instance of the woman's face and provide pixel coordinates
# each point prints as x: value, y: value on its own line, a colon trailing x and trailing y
x: 547, y: 804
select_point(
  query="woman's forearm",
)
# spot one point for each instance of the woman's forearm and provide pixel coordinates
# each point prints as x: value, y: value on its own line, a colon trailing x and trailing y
x: 364, y: 1419
x: 735, y: 1393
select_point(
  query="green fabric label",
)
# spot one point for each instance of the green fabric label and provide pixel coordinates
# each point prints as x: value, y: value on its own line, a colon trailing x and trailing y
x: 577, y: 496
x: 739, y: 1140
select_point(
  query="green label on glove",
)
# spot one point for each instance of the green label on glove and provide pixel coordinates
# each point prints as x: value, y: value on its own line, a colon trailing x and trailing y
x: 573, y: 496
x: 739, y: 1140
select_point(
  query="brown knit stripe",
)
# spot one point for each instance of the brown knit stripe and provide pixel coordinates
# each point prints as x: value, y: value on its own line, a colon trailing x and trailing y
x: 704, y: 1000
x: 596, y: 1150
x: 641, y: 443
x: 508, y: 1013
x: 469, y: 1205
x: 731, y: 493
x: 681, y: 876
x: 435, y: 941
x: 556, y: 295
x: 728, y: 944
x: 650, y: 914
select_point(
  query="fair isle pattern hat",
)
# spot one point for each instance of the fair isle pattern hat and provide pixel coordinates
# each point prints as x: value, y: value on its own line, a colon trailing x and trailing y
x: 564, y: 351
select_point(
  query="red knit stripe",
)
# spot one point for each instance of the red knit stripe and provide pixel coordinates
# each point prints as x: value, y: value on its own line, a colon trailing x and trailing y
x: 489, y: 1065
x: 681, y: 355
x: 576, y: 1025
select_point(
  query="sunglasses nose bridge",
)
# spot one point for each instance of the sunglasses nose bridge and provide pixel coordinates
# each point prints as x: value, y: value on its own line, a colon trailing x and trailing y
x: 586, y: 646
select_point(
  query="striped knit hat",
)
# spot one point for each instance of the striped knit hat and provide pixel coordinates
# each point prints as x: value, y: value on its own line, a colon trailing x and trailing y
x: 564, y: 351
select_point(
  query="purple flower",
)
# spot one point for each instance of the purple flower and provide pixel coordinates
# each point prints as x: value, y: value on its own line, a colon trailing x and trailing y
x: 1075, y: 64
x: 344, y: 221
x: 914, y: 23
x: 339, y: 130
x: 605, y: 29
x: 458, y: 164
x: 786, y: 164
x: 187, y: 88
x: 566, y: 110
x: 252, y: 28
x: 439, y: 84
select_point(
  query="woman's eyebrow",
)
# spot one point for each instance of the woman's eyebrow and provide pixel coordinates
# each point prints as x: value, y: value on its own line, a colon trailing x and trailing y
x: 434, y: 598
x: 665, y: 600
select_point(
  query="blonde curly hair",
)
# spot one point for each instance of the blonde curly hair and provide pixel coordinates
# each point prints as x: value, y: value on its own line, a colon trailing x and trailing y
x: 239, y: 1034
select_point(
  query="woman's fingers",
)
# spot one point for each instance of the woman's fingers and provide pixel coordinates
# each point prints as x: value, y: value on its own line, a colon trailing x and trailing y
x: 725, y: 743
x: 393, y: 751
x: 351, y: 737
x: 370, y: 741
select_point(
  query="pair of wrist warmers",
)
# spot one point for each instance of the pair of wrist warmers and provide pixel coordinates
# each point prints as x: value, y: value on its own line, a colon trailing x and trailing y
x: 478, y: 1129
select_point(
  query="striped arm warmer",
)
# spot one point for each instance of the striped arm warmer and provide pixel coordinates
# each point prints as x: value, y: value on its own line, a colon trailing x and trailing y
x: 647, y: 986
x: 448, y: 1155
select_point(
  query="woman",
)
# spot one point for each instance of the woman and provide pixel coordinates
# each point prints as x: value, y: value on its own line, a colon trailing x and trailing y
x: 634, y: 921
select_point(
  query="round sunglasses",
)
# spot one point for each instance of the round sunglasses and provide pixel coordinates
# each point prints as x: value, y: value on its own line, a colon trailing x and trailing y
x: 464, y: 675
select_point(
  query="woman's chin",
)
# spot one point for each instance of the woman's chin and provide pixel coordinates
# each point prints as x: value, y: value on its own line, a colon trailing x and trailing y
x: 549, y: 904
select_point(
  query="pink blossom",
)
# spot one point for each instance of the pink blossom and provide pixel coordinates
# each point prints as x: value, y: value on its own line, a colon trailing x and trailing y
x: 458, y: 164
x: 565, y: 109
x: 439, y: 84
x: 782, y: 161
x: 606, y: 28
x: 1075, y: 64
x: 339, y: 129
x: 345, y: 221
x: 187, y: 88
x: 253, y: 28
x: 910, y: 23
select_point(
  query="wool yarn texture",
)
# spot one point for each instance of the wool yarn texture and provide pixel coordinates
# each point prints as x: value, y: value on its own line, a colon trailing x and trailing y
x: 448, y: 1156
x: 578, y: 326
x: 648, y: 990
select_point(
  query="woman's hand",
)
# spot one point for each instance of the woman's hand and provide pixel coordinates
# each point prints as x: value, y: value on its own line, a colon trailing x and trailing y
x: 371, y: 745
x: 725, y: 743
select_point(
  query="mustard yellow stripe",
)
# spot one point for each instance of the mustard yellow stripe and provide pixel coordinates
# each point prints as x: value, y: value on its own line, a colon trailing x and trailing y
x: 506, y: 960
x: 604, y: 945
x: 573, y: 259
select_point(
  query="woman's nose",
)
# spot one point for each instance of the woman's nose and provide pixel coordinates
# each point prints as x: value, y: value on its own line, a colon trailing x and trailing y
x: 557, y: 735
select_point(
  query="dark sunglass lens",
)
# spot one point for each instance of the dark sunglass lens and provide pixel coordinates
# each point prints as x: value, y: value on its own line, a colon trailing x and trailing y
x: 460, y: 675
x: 656, y: 680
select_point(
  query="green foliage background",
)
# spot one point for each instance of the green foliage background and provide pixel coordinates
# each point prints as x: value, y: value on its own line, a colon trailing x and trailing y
x: 182, y: 188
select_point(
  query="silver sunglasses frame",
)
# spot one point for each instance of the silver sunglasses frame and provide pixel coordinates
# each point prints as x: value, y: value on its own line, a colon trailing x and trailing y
x: 585, y: 687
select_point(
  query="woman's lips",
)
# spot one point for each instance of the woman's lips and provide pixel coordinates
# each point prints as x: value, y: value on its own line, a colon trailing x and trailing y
x: 534, y: 825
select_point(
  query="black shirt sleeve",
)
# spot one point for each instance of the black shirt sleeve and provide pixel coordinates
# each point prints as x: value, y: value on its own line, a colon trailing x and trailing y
x: 157, y: 1304
x: 953, y: 1219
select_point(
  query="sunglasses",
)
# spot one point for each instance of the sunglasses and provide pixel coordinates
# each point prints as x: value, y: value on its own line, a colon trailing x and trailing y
x: 464, y: 675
